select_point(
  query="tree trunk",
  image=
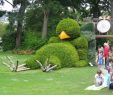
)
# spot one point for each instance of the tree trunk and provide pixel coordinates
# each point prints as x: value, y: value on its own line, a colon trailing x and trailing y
x: 18, y: 34
x: 20, y: 25
x: 45, y: 25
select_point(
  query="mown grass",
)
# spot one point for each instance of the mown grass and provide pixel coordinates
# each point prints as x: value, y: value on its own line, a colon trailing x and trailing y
x: 66, y: 81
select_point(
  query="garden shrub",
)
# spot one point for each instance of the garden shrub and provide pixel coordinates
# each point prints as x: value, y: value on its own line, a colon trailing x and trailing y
x: 83, y: 54
x: 54, y: 40
x: 80, y: 42
x: 32, y: 40
x: 81, y: 63
x: 3, y: 30
x: 55, y: 61
x: 70, y: 26
x: 9, y: 41
x: 65, y: 52
x: 110, y: 39
x: 32, y: 64
x: 90, y: 35
x: 87, y: 27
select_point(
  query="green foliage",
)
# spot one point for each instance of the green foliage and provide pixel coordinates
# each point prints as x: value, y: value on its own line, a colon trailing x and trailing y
x: 34, y: 22
x: 83, y: 54
x: 9, y: 41
x: 88, y: 27
x: 110, y: 39
x: 54, y: 40
x: 31, y: 63
x: 2, y: 13
x: 70, y: 26
x: 32, y: 40
x: 82, y: 63
x: 80, y: 42
x: 55, y: 61
x: 90, y: 35
x: 65, y: 52
x: 2, y: 29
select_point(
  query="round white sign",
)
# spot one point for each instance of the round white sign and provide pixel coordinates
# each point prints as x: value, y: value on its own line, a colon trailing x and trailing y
x: 103, y: 26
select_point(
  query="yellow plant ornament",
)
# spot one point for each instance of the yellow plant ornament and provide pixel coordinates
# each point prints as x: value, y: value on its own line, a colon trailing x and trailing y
x: 63, y: 35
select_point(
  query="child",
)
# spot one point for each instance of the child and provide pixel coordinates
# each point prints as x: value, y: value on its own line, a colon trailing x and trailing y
x: 111, y: 81
x: 107, y: 79
x: 110, y: 65
x: 100, y: 59
x: 99, y: 78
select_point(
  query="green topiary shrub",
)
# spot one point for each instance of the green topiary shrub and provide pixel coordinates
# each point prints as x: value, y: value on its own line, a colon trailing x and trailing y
x: 70, y: 26
x: 54, y: 40
x: 81, y: 63
x: 55, y: 61
x: 31, y: 63
x: 87, y: 27
x: 9, y: 41
x: 83, y: 54
x: 80, y: 42
x: 65, y: 52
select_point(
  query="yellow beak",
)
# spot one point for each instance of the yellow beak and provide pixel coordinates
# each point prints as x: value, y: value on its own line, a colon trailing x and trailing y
x: 63, y: 35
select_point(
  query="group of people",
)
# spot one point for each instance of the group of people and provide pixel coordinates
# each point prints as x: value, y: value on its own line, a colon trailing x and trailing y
x: 104, y: 58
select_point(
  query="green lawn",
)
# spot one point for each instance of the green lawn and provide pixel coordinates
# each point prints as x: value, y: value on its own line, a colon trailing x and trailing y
x: 67, y: 81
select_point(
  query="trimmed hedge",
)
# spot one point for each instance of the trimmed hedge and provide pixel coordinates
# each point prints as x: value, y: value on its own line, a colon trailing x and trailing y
x: 31, y: 63
x: 65, y: 52
x: 55, y: 61
x: 54, y: 40
x: 82, y: 63
x: 83, y: 54
x: 70, y: 26
x: 80, y: 42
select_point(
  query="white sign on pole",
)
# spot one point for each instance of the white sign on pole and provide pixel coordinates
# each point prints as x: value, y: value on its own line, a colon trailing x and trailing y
x: 103, y: 26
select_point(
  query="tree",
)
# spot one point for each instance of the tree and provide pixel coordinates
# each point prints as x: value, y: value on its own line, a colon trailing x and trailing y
x: 20, y: 18
x: 46, y: 6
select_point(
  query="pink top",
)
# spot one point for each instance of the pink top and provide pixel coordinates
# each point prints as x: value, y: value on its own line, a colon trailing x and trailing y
x: 106, y: 51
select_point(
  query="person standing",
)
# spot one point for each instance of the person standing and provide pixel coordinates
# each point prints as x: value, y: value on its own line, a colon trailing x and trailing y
x: 106, y: 53
x: 100, y: 59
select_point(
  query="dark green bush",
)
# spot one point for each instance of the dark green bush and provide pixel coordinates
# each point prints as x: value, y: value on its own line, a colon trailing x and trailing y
x: 80, y: 42
x: 83, y: 54
x: 81, y: 63
x: 70, y: 26
x: 9, y: 41
x: 88, y: 27
x: 90, y: 35
x: 32, y: 40
x: 65, y: 52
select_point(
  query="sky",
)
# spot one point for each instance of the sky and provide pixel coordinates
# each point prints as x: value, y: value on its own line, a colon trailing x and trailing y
x: 6, y: 6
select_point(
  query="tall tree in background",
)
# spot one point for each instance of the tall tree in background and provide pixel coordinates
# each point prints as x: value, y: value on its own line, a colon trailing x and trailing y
x: 94, y: 8
x: 47, y: 6
x: 20, y: 17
